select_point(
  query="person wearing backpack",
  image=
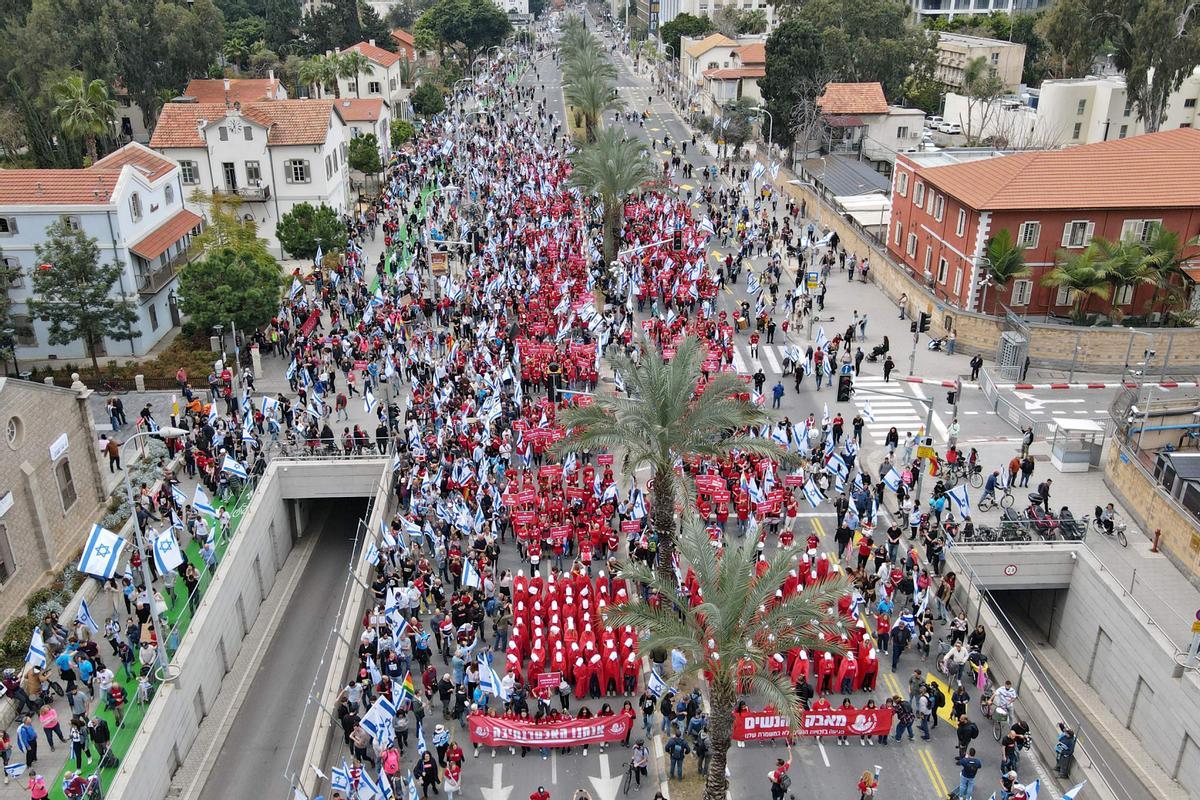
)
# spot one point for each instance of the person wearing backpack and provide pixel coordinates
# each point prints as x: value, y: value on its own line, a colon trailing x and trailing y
x: 677, y: 748
x: 937, y: 700
x: 904, y: 717
x: 780, y: 780
x: 901, y: 636
x: 967, y: 733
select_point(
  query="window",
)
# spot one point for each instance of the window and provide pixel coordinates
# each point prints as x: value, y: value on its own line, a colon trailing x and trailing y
x: 919, y: 194
x: 14, y: 433
x: 296, y: 171
x: 1029, y: 233
x: 12, y: 277
x: 902, y: 184
x: 335, y: 161
x: 1064, y: 297
x: 135, y: 206
x: 899, y: 233
x: 960, y: 226
x: 8, y: 226
x: 248, y: 132
x: 928, y: 257
x: 374, y: 87
x: 328, y: 168
x: 958, y: 280
x: 1021, y: 292
x: 1124, y: 296
x: 187, y: 173
x: 1189, y: 103
x: 939, y: 206
x: 7, y: 564
x: 943, y: 268
x: 1079, y: 108
x: 1078, y: 233
x: 153, y: 318
x: 66, y: 484
x: 902, y: 132
x: 169, y: 194
x: 72, y: 221
x: 1139, y: 230
x: 1076, y: 130
x: 392, y: 84
x: 912, y: 245
x: 23, y: 324
x: 995, y: 57
x: 223, y: 133
x: 1128, y: 107
x: 1123, y: 132
x: 253, y: 173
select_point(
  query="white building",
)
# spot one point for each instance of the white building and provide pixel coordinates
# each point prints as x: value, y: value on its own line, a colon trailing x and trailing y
x: 667, y: 10
x: 956, y: 50
x: 948, y: 9
x: 132, y: 203
x: 1071, y: 112
x: 273, y: 154
x: 382, y: 79
x: 723, y: 85
x: 859, y: 120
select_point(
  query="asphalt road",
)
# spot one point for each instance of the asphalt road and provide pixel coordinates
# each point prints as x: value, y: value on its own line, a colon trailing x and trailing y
x: 253, y: 758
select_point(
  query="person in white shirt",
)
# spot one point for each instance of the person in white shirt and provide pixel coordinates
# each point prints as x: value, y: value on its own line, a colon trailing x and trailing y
x: 1006, y: 695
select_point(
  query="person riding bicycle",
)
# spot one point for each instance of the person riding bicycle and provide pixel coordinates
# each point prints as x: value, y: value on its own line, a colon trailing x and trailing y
x: 638, y: 761
x: 989, y: 487
x: 1006, y: 695
x: 1108, y: 518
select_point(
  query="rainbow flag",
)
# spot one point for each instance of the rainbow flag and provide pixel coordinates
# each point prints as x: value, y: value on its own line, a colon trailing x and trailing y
x: 407, y: 688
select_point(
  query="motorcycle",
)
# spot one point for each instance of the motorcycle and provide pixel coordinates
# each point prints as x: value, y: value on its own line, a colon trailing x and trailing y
x: 1040, y: 519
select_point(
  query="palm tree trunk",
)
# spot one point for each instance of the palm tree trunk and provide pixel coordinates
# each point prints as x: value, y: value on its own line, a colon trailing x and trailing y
x: 91, y: 148
x: 662, y: 519
x: 612, y: 226
x: 720, y: 725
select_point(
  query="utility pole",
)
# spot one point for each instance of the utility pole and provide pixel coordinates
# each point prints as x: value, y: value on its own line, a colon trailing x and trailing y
x: 926, y: 438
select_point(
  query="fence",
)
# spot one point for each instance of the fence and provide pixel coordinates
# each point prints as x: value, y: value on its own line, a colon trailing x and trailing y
x: 1006, y: 410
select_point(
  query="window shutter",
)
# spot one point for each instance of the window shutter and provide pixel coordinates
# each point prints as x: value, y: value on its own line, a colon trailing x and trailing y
x: 1087, y: 236
x: 1129, y: 229
x: 1066, y: 237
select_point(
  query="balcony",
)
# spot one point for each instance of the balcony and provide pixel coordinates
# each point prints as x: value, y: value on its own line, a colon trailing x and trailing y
x: 258, y: 192
x: 151, y: 281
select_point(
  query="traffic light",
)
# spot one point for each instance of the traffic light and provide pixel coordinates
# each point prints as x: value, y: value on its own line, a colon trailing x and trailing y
x: 845, y: 386
x: 926, y: 318
x: 913, y: 327
x: 951, y: 396
x: 677, y: 240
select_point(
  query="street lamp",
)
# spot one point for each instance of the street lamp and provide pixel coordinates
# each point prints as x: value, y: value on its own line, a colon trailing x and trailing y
x: 166, y: 672
x: 770, y: 127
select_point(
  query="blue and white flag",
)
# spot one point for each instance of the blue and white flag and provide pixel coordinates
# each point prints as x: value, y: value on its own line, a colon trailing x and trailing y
x: 179, y: 497
x: 297, y: 287
x: 368, y: 789
x: 339, y: 778
x: 867, y: 413
x: 421, y: 746
x: 371, y: 553
x: 15, y: 770
x: 962, y: 500
x: 167, y: 555
x: 470, y: 575
x: 291, y: 371
x: 101, y: 553
x: 411, y: 783
x: 201, y: 502
x: 757, y: 170
x: 813, y: 493
x: 1032, y: 790
x: 1073, y: 792
x: 657, y: 685
x: 84, y: 617
x: 489, y: 680
x: 836, y: 466
x: 369, y: 402
x: 234, y: 467
x: 36, y: 655
x: 892, y: 479
x: 268, y: 406
x: 378, y: 718
x: 821, y: 339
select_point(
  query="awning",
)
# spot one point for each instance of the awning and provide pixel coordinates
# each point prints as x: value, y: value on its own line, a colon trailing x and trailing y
x: 1192, y: 271
x: 844, y: 121
x: 161, y: 238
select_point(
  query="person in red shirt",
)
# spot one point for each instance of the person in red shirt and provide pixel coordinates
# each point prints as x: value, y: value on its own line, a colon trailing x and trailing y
x: 779, y: 786
x: 540, y: 794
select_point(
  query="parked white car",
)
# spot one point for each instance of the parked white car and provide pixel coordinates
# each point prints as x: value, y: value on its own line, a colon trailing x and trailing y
x: 950, y: 128
x: 932, y: 123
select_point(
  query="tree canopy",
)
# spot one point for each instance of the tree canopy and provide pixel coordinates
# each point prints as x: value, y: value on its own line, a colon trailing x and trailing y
x: 795, y: 73
x: 427, y: 100
x: 306, y: 227
x: 231, y: 284
x: 472, y: 25
x: 684, y: 25
x: 364, y: 154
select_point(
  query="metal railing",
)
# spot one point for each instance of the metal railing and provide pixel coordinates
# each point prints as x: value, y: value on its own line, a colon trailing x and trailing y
x: 1006, y: 410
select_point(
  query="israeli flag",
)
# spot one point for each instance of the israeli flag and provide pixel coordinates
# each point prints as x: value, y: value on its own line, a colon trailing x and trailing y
x: 821, y: 339
x: 892, y: 479
x: 371, y: 553
x: 368, y: 789
x: 813, y: 494
x: 291, y: 371
x: 101, y: 553
x: 421, y: 746
x: 752, y: 284
x: 411, y: 783
x: 36, y: 655
x: 84, y: 617
x: 378, y: 718
x: 1073, y: 792
x: 179, y: 497
x: 268, y: 406
x: 1032, y: 790
x: 962, y: 500
x: 339, y: 778
x: 757, y: 170
x: 297, y: 287
x: 470, y: 575
x: 657, y: 685
x: 385, y: 785
x: 167, y: 555
x: 234, y: 467
x: 827, y: 365
x: 369, y: 402
x: 867, y: 413
x: 15, y: 769
x: 836, y: 466
x: 212, y: 414
x: 825, y: 416
x: 849, y: 447
x: 489, y: 680
x: 639, y: 505
x: 201, y: 502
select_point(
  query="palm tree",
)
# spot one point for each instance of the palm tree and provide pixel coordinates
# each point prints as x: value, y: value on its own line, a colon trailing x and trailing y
x: 664, y: 420
x: 611, y: 168
x: 410, y: 73
x: 739, y: 624
x: 84, y: 110
x: 318, y: 72
x: 1164, y: 257
x: 1082, y: 273
x: 591, y: 95
x: 587, y: 61
x: 1124, y: 265
x: 1006, y: 263
x: 349, y: 65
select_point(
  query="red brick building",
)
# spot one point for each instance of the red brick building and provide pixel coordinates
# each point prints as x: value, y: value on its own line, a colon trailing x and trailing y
x: 947, y: 206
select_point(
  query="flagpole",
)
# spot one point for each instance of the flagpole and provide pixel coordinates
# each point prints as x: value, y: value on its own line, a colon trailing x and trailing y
x: 166, y: 672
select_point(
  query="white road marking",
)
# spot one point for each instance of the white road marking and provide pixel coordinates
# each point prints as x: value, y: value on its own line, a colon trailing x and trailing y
x: 496, y: 791
x: 553, y: 765
x: 771, y: 360
x: 824, y: 755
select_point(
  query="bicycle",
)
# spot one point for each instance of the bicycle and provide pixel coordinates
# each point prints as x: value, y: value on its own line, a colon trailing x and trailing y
x: 630, y: 770
x: 990, y: 501
x: 1117, y: 529
x: 1000, y: 718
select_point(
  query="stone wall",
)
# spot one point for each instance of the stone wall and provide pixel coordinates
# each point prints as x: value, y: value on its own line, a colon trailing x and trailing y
x: 1102, y: 349
x: 1153, y: 509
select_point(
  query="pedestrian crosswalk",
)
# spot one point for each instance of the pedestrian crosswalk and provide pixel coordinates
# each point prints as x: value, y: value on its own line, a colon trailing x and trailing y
x: 891, y: 406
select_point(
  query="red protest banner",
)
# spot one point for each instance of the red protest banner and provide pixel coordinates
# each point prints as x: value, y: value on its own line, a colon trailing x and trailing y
x: 605, y: 459
x: 549, y: 680
x: 559, y: 533
x: 750, y: 726
x: 360, y: 365
x: 576, y: 492
x: 494, y: 731
x: 709, y: 483
x: 310, y: 324
x: 793, y: 480
x: 631, y: 526
x: 527, y: 496
x: 551, y: 472
x: 524, y: 517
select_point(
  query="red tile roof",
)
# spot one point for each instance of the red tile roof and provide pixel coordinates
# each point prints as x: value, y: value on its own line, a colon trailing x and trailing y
x: 1146, y: 171
x: 377, y: 54
x: 752, y: 53
x: 91, y: 186
x: 288, y: 122
x: 733, y: 73
x: 158, y: 240
x: 853, y: 98
x: 241, y: 90
x: 360, y: 110
x: 404, y: 38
